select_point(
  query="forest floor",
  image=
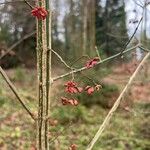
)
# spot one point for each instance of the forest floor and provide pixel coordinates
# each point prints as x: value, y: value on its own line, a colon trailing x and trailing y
x: 129, y: 128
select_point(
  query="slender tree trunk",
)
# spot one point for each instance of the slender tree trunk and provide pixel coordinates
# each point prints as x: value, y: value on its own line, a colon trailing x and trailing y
x: 44, y: 76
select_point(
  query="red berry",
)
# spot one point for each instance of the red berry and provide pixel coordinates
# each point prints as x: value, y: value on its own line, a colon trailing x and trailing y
x: 39, y: 12
x: 91, y: 63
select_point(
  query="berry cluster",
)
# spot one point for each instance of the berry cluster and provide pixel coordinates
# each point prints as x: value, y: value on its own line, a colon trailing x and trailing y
x: 39, y: 12
x: 73, y: 88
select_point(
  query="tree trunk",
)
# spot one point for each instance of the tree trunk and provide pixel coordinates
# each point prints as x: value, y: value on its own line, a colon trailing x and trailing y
x: 91, y: 35
x: 88, y: 27
x: 85, y: 14
x: 44, y: 76
x: 107, y: 27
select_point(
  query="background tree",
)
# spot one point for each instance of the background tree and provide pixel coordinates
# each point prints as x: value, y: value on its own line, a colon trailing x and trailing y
x: 111, y: 26
x: 75, y: 31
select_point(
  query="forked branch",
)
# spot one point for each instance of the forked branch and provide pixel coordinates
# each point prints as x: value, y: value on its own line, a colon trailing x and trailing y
x: 60, y: 58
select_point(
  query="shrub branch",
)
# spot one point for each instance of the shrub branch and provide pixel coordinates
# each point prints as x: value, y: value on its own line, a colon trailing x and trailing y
x: 116, y: 104
x: 100, y: 62
x: 13, y: 89
x: 60, y: 58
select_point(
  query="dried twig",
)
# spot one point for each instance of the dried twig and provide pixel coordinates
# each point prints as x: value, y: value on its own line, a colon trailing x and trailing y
x: 116, y: 104
x: 100, y: 62
x: 12, y: 87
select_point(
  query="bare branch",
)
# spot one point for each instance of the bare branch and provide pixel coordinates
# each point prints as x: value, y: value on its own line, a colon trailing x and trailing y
x: 116, y: 104
x: 10, y: 2
x: 28, y: 4
x: 100, y: 62
x: 97, y: 52
x: 24, y: 1
x: 117, y: 36
x: 128, y: 42
x: 17, y: 43
x: 144, y: 49
x: 12, y: 87
x: 61, y: 59
x: 84, y: 56
x: 138, y: 3
x: 132, y: 36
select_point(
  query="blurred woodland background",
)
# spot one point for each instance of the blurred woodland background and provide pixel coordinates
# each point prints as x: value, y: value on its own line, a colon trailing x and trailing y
x: 77, y: 27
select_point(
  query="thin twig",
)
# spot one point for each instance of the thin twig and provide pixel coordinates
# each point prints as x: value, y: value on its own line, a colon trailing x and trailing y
x: 74, y: 62
x: 97, y: 52
x: 138, y: 4
x: 12, y: 87
x: 3, y: 3
x: 17, y: 43
x: 28, y: 4
x: 90, y: 79
x: 116, y: 104
x: 130, y: 39
x: 128, y: 42
x: 117, y: 36
x: 61, y: 59
x: 144, y: 49
x: 100, y: 62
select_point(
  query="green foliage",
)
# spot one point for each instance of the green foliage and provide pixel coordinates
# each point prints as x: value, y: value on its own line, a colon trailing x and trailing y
x: 19, y: 74
x: 16, y: 133
x: 66, y: 114
x: 125, y: 130
x: 111, y: 31
x: 2, y: 101
x: 5, y: 35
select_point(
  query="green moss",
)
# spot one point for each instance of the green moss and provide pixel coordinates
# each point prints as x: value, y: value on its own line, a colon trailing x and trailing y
x: 19, y: 74
x: 66, y: 114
